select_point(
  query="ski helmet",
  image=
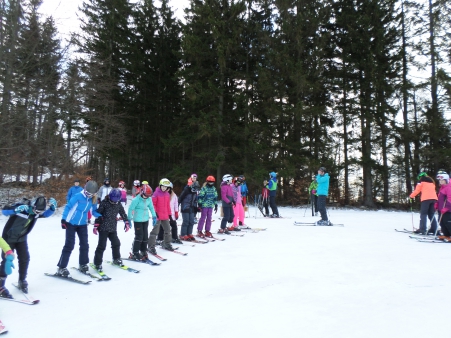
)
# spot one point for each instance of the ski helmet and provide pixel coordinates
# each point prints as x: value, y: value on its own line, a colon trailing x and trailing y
x: 122, y: 183
x: 227, y: 178
x: 39, y: 204
x: 115, y: 195
x: 146, y: 191
x: 242, y: 178
x: 421, y: 174
x: 106, y: 180
x: 442, y: 175
x: 272, y: 174
x: 165, y: 182
x: 323, y: 169
x: 91, y: 188
x: 77, y: 181
x: 211, y: 179
x: 145, y: 182
x: 136, y: 183
x: 194, y: 175
x: 237, y: 180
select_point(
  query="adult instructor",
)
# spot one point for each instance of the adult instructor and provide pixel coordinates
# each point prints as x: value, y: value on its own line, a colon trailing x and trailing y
x: 322, y: 190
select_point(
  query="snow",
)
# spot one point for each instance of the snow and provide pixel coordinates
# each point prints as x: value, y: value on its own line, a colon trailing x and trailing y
x: 361, y: 280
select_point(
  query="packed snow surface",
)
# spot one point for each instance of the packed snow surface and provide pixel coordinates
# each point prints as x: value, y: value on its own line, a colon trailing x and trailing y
x: 360, y: 280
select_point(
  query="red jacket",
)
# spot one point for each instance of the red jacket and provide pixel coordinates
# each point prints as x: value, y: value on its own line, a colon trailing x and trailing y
x: 161, y: 202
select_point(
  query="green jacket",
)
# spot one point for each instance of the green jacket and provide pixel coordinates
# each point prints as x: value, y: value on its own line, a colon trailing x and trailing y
x: 138, y: 211
x: 313, y: 186
x: 3, y: 245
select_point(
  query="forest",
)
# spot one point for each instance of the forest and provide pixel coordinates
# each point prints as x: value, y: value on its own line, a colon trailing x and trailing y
x: 240, y: 87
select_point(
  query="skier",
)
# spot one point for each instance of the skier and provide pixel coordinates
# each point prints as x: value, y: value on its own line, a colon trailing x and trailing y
x: 22, y: 219
x: 89, y: 212
x: 7, y: 266
x: 138, y: 212
x: 244, y: 190
x: 188, y: 206
x: 265, y: 198
x: 227, y: 203
x: 272, y: 187
x: 106, y: 227
x: 136, y: 188
x: 313, y: 195
x: 208, y: 200
x: 238, y: 209
x: 74, y: 220
x: 123, y: 191
x: 75, y: 189
x: 104, y: 190
x: 161, y: 201
x: 443, y: 206
x: 172, y: 218
x: 322, y: 190
x: 426, y: 186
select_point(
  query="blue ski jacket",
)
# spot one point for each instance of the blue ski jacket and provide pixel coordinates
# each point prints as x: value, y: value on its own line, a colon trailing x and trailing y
x: 323, y: 184
x: 76, y: 210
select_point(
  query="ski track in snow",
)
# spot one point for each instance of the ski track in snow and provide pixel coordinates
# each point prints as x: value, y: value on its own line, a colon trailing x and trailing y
x: 361, y: 280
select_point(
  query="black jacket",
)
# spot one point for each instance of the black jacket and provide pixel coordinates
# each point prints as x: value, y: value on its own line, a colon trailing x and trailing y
x: 109, y: 211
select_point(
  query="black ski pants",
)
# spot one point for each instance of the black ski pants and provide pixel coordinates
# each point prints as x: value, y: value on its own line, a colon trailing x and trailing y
x: 228, y: 216
x: 104, y: 236
x: 445, y: 223
x: 427, y: 210
x: 23, y: 257
x: 322, y: 207
x: 82, y: 232
x: 314, y: 202
x: 173, y: 225
x: 266, y: 205
x: 141, y: 236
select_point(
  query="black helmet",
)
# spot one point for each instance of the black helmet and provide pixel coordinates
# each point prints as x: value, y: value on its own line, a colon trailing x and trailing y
x: 323, y: 169
x: 106, y: 180
x: 39, y: 204
x: 91, y: 187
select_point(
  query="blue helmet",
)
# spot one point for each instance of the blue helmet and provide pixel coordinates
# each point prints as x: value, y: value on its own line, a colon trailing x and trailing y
x: 272, y: 174
x: 115, y: 195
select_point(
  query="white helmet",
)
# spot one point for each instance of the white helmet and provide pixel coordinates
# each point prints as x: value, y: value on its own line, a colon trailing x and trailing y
x: 442, y: 175
x: 227, y: 178
x: 136, y: 183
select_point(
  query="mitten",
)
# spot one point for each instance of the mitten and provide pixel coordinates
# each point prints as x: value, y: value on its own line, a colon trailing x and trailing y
x: 313, y: 191
x: 154, y: 221
x: 53, y: 204
x: 9, y: 266
x: 126, y: 226
x: 436, y: 205
x: 96, y: 228
x: 176, y: 215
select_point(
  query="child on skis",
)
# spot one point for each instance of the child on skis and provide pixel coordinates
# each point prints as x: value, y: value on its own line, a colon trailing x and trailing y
x: 106, y: 228
x: 188, y: 202
x: 172, y: 218
x: 313, y: 195
x: 22, y: 219
x: 227, y: 203
x: 208, y: 200
x: 238, y: 209
x: 138, y: 212
x: 136, y: 188
x: 7, y: 266
x: 74, y: 221
x: 426, y: 187
x: 123, y: 196
x: 161, y: 202
x: 443, y: 205
x: 265, y: 199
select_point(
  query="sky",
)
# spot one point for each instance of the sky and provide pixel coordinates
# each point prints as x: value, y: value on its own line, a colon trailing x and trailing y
x: 65, y: 13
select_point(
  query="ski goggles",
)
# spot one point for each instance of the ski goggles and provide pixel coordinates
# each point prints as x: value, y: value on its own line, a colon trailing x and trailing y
x: 88, y: 194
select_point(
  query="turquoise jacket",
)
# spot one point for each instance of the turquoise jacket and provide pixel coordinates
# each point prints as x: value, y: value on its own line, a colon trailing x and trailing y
x: 138, y: 211
x: 323, y: 184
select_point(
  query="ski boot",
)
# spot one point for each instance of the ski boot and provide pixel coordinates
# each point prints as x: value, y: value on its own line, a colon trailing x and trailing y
x: 99, y: 267
x: 63, y: 272
x: 419, y: 232
x: 4, y: 291
x: 185, y: 238
x: 23, y: 286
x: 152, y: 251
x: 192, y: 237
x: 167, y: 246
x: 208, y: 234
x: 200, y: 234
x: 83, y: 268
x: 136, y: 255
x: 159, y: 241
x: 274, y: 216
x: 144, y: 255
x: 177, y: 241
x: 117, y: 261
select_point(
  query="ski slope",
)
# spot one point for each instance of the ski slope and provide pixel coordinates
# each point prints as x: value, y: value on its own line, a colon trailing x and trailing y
x: 361, y: 280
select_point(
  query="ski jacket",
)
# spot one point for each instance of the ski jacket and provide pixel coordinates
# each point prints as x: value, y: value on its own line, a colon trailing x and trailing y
x: 188, y: 199
x: 138, y: 211
x: 226, y: 195
x: 4, y: 246
x: 237, y: 194
x: 103, y: 192
x: 272, y: 186
x: 76, y: 210
x: 123, y: 195
x: 174, y: 205
x: 109, y: 211
x: 21, y: 222
x: 162, y: 204
x: 244, y: 190
x: 135, y: 191
x: 208, y: 197
x: 444, y: 197
x: 323, y: 184
x: 426, y: 187
x: 72, y: 191
x: 313, y: 186
x: 265, y: 193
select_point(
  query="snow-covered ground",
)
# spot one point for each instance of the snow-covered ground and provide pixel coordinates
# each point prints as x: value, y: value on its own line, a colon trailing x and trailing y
x: 361, y: 280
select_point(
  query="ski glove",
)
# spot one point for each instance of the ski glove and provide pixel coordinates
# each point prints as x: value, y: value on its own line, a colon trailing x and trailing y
x: 96, y: 229
x: 199, y: 209
x: 63, y: 224
x: 154, y: 221
x: 176, y: 215
x: 9, y: 266
x: 313, y: 191
x: 216, y: 208
x: 53, y: 204
x: 436, y: 205
x: 21, y: 208
x: 126, y: 226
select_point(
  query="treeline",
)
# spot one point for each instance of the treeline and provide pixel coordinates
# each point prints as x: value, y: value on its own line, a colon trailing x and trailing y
x: 361, y: 87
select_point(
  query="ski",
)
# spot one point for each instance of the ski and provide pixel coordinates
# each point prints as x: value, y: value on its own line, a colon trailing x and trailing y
x: 23, y: 301
x: 69, y: 278
x: 404, y: 231
x: 195, y: 241
x: 253, y: 229
x: 147, y: 261
x: 97, y: 278
x: 218, y: 239
x: 123, y: 267
x: 158, y: 256
x: 237, y: 235
x: 176, y: 252
x: 3, y: 328
x: 26, y: 295
x: 314, y: 224
x: 101, y: 273
x: 208, y: 239
x: 430, y: 240
x: 188, y: 243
